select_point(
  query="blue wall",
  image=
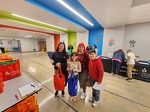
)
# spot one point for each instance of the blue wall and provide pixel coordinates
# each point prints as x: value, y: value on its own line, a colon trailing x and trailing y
x: 96, y: 35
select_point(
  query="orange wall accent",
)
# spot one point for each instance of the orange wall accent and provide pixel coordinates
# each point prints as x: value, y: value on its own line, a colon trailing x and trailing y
x: 56, y: 40
x: 24, y: 29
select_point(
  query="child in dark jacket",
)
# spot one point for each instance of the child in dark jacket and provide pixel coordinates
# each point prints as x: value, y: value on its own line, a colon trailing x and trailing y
x: 96, y: 73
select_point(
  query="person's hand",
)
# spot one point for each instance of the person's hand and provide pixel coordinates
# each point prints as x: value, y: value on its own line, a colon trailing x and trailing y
x: 58, y: 64
x: 70, y: 69
x: 74, y: 70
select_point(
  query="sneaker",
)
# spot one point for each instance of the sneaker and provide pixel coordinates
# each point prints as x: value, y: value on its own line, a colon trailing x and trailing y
x: 63, y: 93
x: 80, y: 90
x: 129, y: 79
x: 83, y: 96
x: 95, y: 104
x: 91, y: 100
x: 56, y: 93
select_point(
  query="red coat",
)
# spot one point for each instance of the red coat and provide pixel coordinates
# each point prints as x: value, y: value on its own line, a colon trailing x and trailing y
x: 96, y: 70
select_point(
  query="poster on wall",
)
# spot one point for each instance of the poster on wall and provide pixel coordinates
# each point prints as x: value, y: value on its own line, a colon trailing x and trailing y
x: 132, y: 43
x: 111, y: 42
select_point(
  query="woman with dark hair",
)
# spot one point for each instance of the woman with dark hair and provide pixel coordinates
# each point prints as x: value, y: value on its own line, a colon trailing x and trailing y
x: 83, y: 75
x: 59, y: 58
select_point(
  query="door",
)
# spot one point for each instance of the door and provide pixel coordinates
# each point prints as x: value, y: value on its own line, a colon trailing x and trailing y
x: 42, y: 45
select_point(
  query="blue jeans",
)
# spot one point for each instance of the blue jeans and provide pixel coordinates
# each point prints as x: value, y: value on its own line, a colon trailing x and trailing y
x: 95, y: 93
x: 115, y: 66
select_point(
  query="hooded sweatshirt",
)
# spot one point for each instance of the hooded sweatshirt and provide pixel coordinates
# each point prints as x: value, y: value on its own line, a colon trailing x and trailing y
x: 96, y: 70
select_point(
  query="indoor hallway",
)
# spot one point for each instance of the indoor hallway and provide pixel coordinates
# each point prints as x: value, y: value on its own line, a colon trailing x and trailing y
x: 118, y: 96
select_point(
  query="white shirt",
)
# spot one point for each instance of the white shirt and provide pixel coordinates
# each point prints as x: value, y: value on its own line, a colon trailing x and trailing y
x: 132, y: 58
x: 96, y: 51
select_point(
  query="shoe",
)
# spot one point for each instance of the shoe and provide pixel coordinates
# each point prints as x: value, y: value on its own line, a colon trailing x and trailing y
x: 80, y: 90
x: 113, y: 74
x: 56, y: 93
x: 63, y: 93
x: 91, y: 100
x: 83, y: 96
x: 129, y: 79
x: 70, y: 98
x: 74, y: 98
x: 95, y: 104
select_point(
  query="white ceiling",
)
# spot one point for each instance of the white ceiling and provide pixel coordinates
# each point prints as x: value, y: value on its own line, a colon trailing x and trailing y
x: 109, y: 13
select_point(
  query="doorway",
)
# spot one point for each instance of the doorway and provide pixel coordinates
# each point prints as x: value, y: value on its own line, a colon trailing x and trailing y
x: 42, y: 46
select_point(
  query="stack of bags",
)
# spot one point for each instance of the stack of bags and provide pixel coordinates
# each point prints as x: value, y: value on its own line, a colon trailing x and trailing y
x: 27, y: 105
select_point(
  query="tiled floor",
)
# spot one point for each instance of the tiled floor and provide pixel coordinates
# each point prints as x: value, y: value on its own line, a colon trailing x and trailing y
x: 118, y: 96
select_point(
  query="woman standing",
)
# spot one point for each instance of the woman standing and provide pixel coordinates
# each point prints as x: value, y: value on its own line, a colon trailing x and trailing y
x: 59, y: 58
x: 84, y: 60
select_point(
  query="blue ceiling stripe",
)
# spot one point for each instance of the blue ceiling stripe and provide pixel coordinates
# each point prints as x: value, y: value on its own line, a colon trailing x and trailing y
x: 53, y: 12
x: 56, y: 8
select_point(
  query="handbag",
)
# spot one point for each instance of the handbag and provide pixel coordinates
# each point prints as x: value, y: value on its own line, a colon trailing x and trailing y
x: 72, y: 85
x: 59, y: 80
x: 10, y: 71
x: 87, y: 83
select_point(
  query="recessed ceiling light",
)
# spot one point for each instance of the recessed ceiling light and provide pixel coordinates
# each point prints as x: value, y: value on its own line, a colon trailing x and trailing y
x: 75, y: 12
x: 39, y: 21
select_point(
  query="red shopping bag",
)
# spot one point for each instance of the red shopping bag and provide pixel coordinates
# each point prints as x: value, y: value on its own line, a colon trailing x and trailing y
x: 59, y: 80
x: 1, y: 83
x: 10, y: 71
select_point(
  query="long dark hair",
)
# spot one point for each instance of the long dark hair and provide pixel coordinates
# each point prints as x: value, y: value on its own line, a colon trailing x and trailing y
x: 57, y: 49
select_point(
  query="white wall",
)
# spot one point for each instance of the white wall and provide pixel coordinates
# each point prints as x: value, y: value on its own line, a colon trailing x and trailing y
x: 117, y: 35
x: 27, y: 44
x: 64, y: 38
x: 82, y: 37
x: 50, y: 43
x: 141, y: 34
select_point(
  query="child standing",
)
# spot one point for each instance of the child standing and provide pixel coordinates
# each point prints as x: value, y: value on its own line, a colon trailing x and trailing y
x: 96, y: 73
x: 73, y: 64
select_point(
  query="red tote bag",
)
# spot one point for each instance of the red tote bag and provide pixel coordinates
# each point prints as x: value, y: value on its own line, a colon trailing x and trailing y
x: 1, y: 83
x: 59, y: 80
x: 10, y: 71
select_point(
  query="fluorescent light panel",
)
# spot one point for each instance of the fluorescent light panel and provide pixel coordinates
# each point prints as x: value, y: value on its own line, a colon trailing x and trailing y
x: 38, y: 21
x: 74, y: 11
x: 28, y: 36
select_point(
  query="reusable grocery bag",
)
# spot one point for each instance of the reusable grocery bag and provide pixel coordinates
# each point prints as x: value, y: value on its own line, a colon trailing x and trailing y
x: 59, y: 80
x: 72, y: 85
x: 10, y: 71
